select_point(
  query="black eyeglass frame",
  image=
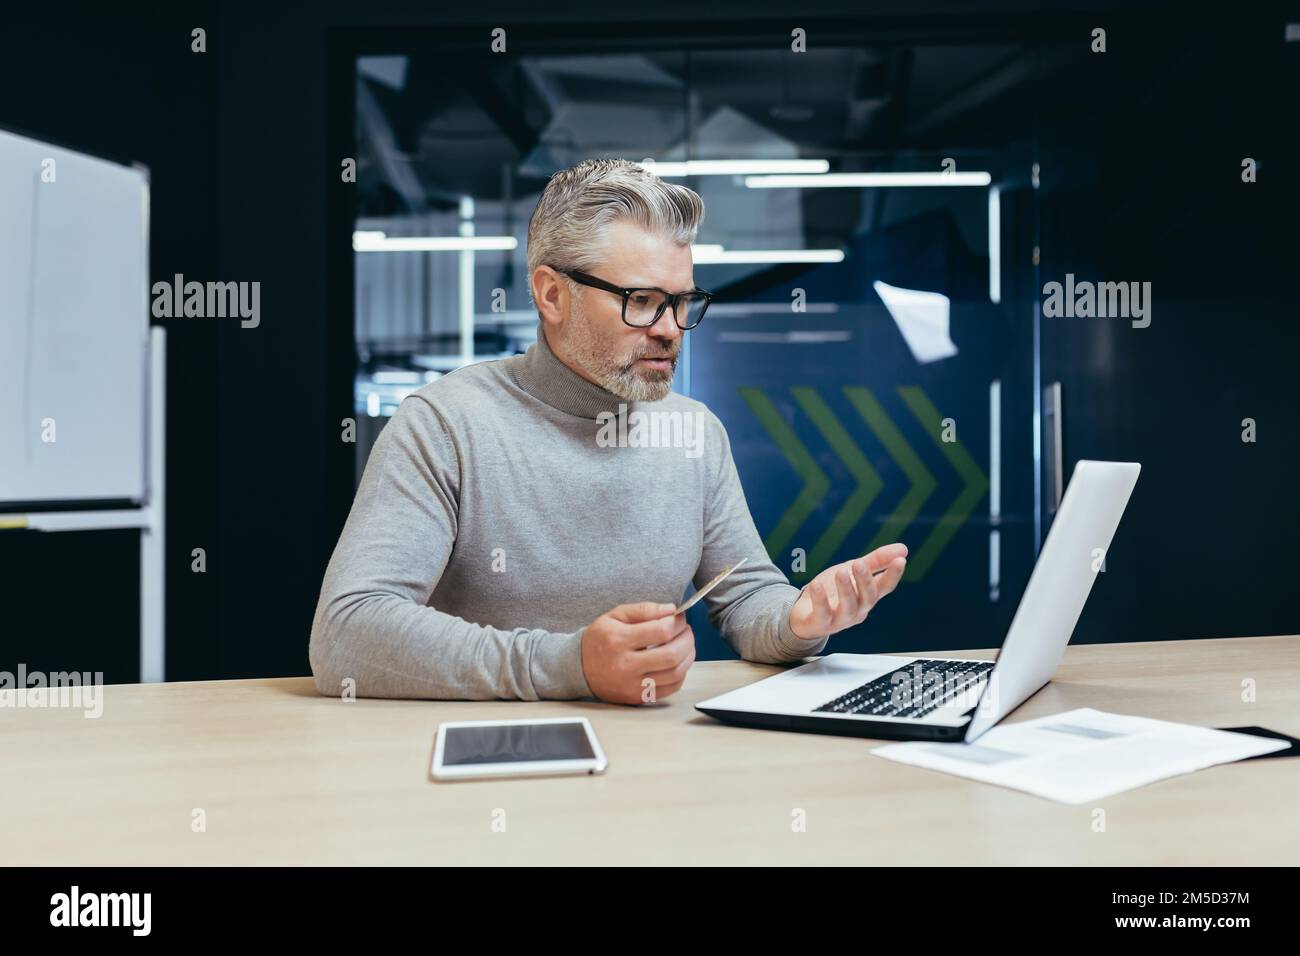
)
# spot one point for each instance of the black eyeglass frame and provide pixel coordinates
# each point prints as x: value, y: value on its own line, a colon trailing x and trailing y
x: 670, y: 298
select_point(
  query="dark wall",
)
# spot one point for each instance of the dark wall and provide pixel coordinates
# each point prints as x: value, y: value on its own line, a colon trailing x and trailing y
x: 236, y: 141
x: 1141, y: 155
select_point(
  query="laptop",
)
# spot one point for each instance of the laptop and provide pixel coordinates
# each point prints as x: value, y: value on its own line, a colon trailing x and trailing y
x: 915, y: 698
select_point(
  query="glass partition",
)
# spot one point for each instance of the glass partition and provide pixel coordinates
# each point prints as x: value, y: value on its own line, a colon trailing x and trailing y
x: 869, y: 237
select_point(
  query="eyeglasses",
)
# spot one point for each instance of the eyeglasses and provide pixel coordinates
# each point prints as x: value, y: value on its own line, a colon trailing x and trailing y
x: 643, y: 307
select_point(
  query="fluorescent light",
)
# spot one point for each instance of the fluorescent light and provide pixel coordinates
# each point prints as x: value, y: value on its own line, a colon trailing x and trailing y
x: 995, y: 451
x: 705, y: 249
x: 363, y: 242
x: 368, y: 235
x: 995, y: 487
x: 734, y: 167
x: 395, y: 378
x: 797, y: 337
x: 995, y: 245
x: 466, y: 285
x: 861, y: 180
x: 769, y: 256
x: 718, y: 309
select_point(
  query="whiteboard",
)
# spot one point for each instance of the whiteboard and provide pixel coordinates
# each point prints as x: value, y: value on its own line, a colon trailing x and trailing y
x: 74, y: 325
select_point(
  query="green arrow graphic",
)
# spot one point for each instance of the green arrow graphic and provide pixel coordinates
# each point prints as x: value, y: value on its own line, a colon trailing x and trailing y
x: 923, y: 483
x: 868, y: 479
x: 816, y: 484
x: 976, y: 484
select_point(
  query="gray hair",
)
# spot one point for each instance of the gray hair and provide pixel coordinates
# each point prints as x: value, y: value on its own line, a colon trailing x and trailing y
x: 567, y: 229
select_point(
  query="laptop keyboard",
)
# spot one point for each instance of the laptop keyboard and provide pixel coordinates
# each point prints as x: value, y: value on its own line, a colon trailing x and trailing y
x: 913, y: 694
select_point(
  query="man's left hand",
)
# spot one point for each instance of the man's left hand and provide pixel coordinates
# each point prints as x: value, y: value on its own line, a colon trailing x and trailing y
x: 843, y: 595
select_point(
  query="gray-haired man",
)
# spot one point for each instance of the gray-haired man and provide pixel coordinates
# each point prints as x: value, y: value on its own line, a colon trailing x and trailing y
x: 501, y: 545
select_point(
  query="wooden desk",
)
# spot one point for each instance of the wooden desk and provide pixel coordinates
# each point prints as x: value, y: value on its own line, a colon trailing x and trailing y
x: 286, y: 776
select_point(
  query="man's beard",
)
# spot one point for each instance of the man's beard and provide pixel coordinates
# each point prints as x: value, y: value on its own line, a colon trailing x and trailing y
x: 618, y: 374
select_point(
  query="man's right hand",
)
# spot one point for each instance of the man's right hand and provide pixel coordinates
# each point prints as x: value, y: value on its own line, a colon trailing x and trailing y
x: 637, y: 653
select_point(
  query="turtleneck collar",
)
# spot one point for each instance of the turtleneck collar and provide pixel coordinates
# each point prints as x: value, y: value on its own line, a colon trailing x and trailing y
x: 542, y: 374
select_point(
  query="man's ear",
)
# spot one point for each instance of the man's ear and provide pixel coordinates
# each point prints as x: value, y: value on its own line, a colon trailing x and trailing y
x: 550, y: 295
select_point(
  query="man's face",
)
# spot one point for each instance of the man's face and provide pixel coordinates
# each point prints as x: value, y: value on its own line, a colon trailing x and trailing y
x: 636, y: 364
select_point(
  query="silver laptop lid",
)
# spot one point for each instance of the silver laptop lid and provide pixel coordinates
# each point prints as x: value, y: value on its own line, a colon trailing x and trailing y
x: 1058, y: 587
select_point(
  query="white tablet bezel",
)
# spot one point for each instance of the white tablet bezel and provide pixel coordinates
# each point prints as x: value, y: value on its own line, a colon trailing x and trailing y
x: 528, y: 768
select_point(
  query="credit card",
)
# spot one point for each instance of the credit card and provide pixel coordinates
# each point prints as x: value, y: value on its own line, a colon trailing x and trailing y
x: 691, y: 601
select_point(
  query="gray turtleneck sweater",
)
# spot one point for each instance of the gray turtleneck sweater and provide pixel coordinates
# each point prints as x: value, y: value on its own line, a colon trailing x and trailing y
x: 506, y: 506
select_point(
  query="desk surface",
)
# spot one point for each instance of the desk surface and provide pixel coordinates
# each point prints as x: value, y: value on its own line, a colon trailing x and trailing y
x: 285, y: 776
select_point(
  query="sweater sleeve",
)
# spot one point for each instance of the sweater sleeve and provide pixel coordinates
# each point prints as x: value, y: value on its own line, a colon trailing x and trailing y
x: 751, y: 608
x: 373, y: 625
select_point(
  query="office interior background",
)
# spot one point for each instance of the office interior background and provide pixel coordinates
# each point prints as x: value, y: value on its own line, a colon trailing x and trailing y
x: 1122, y: 166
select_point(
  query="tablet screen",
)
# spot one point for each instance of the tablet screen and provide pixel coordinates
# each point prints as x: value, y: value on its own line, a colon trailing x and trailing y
x: 516, y: 743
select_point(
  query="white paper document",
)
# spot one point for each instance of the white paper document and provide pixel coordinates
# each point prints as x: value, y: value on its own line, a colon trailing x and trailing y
x: 1083, y: 755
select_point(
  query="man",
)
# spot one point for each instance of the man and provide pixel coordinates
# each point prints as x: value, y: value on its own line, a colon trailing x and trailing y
x: 501, y: 545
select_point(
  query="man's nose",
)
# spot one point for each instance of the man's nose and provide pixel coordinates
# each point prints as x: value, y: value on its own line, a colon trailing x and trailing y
x: 665, y: 327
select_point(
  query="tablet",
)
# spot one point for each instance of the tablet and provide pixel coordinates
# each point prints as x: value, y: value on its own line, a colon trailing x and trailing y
x: 511, y: 748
